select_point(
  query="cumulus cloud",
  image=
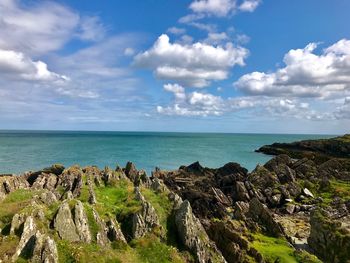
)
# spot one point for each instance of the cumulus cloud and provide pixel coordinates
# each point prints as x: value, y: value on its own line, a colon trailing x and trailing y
x: 305, y: 74
x: 249, y: 5
x: 15, y: 65
x: 194, y: 65
x: 206, y: 104
x: 222, y: 8
x: 42, y: 27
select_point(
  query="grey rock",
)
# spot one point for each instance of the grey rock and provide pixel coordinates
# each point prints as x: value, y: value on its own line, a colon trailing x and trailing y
x: 64, y: 224
x: 27, y: 242
x: 193, y: 235
x: 114, y: 232
x: 48, y: 198
x: 146, y: 219
x: 81, y: 223
x: 16, y: 223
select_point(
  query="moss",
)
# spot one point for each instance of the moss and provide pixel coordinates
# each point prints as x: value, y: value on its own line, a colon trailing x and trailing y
x: 336, y: 188
x: 274, y: 249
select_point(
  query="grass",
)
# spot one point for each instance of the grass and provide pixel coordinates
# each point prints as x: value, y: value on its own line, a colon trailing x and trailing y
x: 13, y: 204
x: 118, y: 200
x: 150, y: 250
x: 278, y: 250
x: 337, y: 188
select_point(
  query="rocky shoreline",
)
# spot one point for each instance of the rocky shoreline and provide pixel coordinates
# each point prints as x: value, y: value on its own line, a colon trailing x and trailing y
x: 287, y: 210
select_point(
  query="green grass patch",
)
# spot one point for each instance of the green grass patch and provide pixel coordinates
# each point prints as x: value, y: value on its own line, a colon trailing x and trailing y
x: 274, y: 249
x: 151, y: 250
x: 13, y: 204
x: 337, y: 188
x: 118, y: 200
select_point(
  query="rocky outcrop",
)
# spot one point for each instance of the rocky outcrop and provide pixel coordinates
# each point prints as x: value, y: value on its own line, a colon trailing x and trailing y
x: 330, y: 239
x: 146, y: 219
x: 114, y: 233
x: 102, y: 234
x: 81, y: 223
x: 64, y: 224
x: 26, y: 245
x: 193, y: 235
x: 317, y: 150
x: 261, y: 214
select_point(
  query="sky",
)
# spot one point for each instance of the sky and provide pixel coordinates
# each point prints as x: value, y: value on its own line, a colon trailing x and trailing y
x: 240, y: 66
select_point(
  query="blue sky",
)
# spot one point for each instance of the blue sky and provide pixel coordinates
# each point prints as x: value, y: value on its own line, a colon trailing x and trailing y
x: 257, y: 66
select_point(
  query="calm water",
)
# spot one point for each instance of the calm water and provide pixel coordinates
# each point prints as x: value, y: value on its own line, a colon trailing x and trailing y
x: 22, y: 151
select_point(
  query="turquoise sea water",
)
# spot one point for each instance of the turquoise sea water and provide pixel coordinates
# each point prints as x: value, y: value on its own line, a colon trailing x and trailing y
x: 27, y: 150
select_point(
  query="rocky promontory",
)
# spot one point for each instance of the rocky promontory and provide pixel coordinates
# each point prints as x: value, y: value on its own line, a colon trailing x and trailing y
x: 287, y: 210
x: 318, y: 150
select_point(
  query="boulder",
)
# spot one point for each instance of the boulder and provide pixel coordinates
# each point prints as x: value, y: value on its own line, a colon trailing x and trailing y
x: 329, y: 239
x: 193, y: 235
x: 114, y: 232
x: 308, y: 193
x: 81, y: 223
x: 146, y: 219
x: 48, y: 198
x: 261, y: 214
x: 27, y: 242
x: 17, y: 224
x: 64, y: 224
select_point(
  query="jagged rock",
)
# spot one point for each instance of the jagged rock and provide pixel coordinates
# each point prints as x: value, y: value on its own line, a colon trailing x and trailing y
x: 64, y: 224
x: 17, y: 223
x: 261, y: 214
x: 81, y: 223
x: 51, y: 182
x: 131, y: 172
x: 275, y: 164
x: 329, y: 239
x: 193, y: 235
x: 49, y: 252
x: 71, y: 180
x: 177, y: 200
x: 290, y: 208
x: 307, y: 193
x: 146, y: 219
x: 68, y: 195
x: 39, y: 182
x: 262, y: 178
x: 27, y: 243
x: 92, y: 197
x: 157, y: 185
x: 240, y: 210
x: 101, y: 236
x: 48, y: 198
x: 114, y: 232
x: 241, y: 192
x: 230, y: 242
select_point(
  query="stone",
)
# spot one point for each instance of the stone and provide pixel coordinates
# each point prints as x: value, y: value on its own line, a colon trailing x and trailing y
x: 81, y: 223
x: 48, y: 198
x: 49, y: 251
x: 101, y: 236
x: 240, y: 210
x: 241, y: 192
x: 329, y: 239
x: 114, y: 232
x: 308, y: 193
x: 290, y: 208
x: 27, y: 242
x: 193, y: 235
x: 64, y: 224
x: 17, y: 223
x: 261, y: 214
x: 146, y: 219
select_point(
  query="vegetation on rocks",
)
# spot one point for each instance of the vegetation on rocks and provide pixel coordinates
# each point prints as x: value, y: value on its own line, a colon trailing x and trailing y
x: 288, y: 210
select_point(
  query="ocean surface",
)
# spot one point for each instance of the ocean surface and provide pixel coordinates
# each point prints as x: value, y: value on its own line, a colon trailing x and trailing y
x: 33, y: 150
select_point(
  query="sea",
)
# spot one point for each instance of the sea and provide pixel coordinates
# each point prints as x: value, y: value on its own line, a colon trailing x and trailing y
x: 22, y: 151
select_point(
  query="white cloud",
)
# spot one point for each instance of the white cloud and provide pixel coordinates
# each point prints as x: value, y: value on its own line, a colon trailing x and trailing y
x: 194, y: 65
x: 222, y: 8
x: 177, y: 90
x: 213, y: 7
x: 249, y: 5
x: 343, y: 112
x: 305, y: 75
x: 91, y: 29
x: 216, y: 38
x: 15, y: 65
x: 176, y: 30
x: 45, y: 26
